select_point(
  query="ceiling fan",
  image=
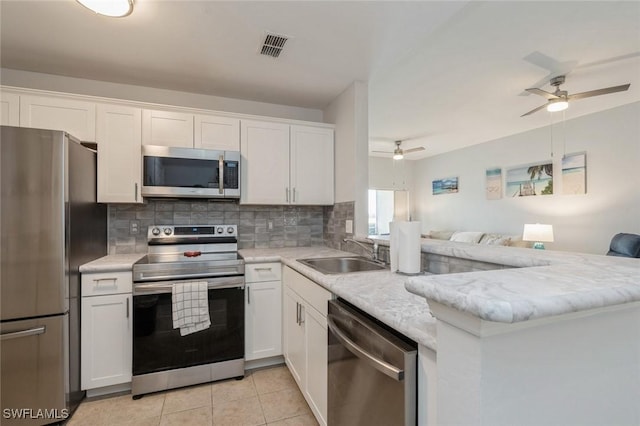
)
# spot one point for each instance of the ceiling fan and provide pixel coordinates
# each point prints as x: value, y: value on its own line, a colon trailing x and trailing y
x: 398, y: 153
x: 559, y: 100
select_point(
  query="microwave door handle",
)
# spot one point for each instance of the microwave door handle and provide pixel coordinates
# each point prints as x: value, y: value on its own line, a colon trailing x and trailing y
x: 221, y: 174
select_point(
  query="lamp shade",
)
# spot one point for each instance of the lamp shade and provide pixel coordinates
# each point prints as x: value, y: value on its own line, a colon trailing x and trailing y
x: 556, y: 105
x: 537, y: 232
x: 112, y: 8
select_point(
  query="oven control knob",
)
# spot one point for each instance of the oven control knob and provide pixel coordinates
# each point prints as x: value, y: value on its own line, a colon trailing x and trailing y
x: 220, y: 230
x: 155, y: 231
x: 229, y: 230
x: 167, y: 231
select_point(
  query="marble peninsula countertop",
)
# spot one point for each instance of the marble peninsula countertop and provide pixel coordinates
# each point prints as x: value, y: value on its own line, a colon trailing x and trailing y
x: 541, y: 283
x: 381, y: 294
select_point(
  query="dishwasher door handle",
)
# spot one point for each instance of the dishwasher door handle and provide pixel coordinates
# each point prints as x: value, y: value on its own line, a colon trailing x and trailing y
x: 380, y: 365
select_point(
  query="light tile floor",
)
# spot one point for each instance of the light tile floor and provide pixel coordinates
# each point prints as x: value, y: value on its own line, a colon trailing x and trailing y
x: 264, y: 397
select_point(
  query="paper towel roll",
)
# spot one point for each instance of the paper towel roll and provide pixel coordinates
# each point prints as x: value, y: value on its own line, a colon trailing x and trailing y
x: 409, y: 247
x: 393, y: 245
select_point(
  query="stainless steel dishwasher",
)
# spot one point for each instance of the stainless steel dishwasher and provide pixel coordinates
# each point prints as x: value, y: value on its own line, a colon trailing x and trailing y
x: 371, y: 371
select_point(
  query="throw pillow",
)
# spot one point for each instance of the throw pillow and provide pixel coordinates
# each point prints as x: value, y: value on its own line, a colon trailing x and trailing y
x: 495, y: 240
x: 440, y: 235
x: 467, y: 237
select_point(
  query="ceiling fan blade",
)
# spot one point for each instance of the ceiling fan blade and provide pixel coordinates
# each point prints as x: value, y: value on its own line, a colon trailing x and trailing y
x: 599, y: 92
x: 543, y: 93
x: 534, y: 110
x: 420, y: 148
x: 383, y: 152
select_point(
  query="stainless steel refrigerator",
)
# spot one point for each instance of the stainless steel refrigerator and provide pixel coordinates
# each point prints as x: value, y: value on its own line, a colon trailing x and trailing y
x: 50, y: 224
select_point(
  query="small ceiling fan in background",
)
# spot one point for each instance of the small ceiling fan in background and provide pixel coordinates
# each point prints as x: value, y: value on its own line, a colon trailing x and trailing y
x: 559, y: 99
x: 398, y: 153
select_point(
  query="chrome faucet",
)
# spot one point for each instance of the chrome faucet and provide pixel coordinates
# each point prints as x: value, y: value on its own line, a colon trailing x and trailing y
x: 374, y: 249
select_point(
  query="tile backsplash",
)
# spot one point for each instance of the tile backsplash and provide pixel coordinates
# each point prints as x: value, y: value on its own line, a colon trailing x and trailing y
x: 258, y: 226
x: 335, y: 218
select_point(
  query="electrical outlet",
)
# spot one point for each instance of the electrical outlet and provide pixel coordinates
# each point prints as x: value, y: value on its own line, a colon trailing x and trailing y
x: 348, y: 226
x: 134, y: 227
x: 270, y: 225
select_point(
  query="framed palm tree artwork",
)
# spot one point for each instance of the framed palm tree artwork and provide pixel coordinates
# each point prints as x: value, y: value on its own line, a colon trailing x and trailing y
x: 531, y: 179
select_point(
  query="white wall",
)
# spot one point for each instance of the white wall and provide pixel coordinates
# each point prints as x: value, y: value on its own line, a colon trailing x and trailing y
x: 583, y: 223
x: 56, y: 83
x: 386, y: 173
x: 349, y: 113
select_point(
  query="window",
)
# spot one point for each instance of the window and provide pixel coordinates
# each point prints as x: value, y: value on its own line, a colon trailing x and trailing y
x: 381, y: 206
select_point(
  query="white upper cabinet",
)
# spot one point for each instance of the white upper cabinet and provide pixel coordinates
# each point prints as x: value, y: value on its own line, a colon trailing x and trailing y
x: 75, y: 117
x: 167, y: 128
x: 264, y: 168
x: 312, y: 166
x: 9, y: 109
x: 119, y: 135
x: 215, y: 132
x: 184, y: 130
x: 283, y: 164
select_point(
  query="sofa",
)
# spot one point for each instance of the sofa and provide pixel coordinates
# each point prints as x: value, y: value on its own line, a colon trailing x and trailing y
x: 483, y: 238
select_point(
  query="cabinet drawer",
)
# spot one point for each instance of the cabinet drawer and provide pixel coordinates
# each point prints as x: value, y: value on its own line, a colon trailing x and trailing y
x: 259, y: 272
x: 106, y: 283
x: 314, y: 294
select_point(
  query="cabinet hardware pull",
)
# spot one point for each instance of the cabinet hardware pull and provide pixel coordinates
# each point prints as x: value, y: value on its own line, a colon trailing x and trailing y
x: 136, y: 190
x: 127, y: 307
x: 262, y: 269
x: 23, y: 333
x: 97, y: 280
x: 248, y: 295
x: 297, y: 313
x: 301, y: 315
x: 294, y: 195
x: 286, y: 193
x: 221, y: 174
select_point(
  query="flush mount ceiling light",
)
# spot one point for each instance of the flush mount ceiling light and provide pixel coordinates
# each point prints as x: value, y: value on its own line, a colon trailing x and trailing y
x: 111, y: 8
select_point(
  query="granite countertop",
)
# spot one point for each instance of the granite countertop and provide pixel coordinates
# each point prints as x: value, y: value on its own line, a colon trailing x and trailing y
x: 542, y: 283
x: 112, y: 263
x: 382, y: 294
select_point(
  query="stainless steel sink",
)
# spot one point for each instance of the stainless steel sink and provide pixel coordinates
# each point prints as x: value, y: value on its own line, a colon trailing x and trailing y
x: 342, y: 265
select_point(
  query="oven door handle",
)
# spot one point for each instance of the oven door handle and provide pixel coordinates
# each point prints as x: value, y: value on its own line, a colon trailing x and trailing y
x: 167, y: 287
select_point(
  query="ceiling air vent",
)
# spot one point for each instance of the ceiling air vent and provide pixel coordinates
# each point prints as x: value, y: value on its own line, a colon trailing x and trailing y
x: 273, y: 45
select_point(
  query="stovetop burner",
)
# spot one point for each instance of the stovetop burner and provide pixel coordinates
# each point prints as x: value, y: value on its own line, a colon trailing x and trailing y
x: 193, y: 251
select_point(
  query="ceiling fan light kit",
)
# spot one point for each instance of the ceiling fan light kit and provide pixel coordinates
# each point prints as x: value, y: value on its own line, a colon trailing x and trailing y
x: 559, y: 99
x: 398, y: 153
x: 110, y: 8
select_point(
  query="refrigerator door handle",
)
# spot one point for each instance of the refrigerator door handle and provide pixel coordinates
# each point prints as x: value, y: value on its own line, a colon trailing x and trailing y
x: 24, y: 333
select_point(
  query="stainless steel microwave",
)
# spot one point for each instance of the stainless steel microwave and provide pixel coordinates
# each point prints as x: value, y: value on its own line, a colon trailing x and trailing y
x: 193, y: 173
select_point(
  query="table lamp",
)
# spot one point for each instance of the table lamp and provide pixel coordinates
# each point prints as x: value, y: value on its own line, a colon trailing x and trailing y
x: 537, y: 233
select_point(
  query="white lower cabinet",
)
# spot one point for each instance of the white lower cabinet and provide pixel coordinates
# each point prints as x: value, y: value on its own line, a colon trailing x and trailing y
x: 305, y: 338
x: 106, y: 330
x: 263, y: 311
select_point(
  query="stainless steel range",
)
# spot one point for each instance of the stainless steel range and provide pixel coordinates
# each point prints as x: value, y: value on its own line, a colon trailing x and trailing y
x: 163, y: 358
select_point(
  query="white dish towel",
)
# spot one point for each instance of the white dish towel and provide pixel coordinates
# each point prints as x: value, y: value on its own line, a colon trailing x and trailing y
x: 190, y: 307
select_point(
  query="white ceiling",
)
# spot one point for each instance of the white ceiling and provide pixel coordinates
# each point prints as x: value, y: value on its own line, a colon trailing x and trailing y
x: 443, y: 75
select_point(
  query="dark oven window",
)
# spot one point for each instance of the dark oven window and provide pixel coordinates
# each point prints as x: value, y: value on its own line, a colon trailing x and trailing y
x: 157, y: 346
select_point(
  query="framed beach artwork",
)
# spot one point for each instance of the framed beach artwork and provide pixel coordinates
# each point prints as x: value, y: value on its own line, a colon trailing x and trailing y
x: 445, y: 186
x: 494, y: 183
x: 534, y: 179
x: 574, y: 173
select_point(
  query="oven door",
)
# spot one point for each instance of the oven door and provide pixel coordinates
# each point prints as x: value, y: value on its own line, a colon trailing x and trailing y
x: 157, y: 346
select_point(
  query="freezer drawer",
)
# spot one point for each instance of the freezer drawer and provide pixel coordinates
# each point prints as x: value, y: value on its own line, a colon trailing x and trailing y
x: 33, y: 371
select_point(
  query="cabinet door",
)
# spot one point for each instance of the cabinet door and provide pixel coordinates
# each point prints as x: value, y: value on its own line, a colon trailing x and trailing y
x: 9, y: 109
x: 316, y: 352
x: 265, y: 163
x: 77, y: 118
x: 294, y: 341
x: 167, y: 128
x: 213, y: 132
x: 263, y: 320
x: 106, y: 334
x: 312, y: 168
x: 119, y: 135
